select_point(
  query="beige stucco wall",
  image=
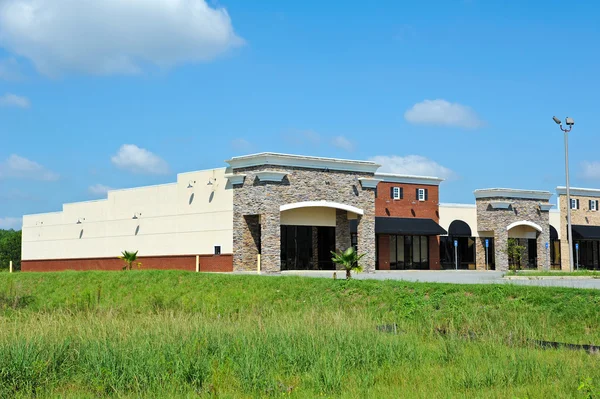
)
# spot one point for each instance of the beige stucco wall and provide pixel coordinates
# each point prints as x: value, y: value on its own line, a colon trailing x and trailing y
x: 555, y: 222
x: 581, y: 216
x: 452, y: 212
x: 174, y: 220
x: 313, y: 216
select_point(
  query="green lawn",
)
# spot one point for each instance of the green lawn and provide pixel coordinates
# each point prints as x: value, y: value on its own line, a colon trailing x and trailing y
x: 178, y: 334
x: 555, y: 273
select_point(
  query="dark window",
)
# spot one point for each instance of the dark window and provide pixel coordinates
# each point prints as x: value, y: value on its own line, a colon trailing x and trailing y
x: 409, y: 252
x: 354, y: 240
x: 555, y: 254
x: 465, y: 252
x: 217, y: 250
x: 588, y: 256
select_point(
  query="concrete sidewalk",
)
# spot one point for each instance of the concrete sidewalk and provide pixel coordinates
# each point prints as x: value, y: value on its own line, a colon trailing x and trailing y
x: 453, y: 277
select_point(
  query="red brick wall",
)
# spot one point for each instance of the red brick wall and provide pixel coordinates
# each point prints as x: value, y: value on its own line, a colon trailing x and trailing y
x: 383, y: 256
x: 385, y: 206
x: 404, y: 208
x: 208, y: 263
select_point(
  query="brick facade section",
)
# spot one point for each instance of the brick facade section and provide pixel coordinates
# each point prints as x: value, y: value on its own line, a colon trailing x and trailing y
x: 385, y: 205
x: 434, y: 253
x: 384, y: 252
x: 408, y: 207
x: 208, y: 263
x: 582, y: 216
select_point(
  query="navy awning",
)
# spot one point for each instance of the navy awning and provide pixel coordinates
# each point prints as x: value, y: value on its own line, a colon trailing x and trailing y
x: 581, y: 232
x: 459, y: 228
x: 404, y: 226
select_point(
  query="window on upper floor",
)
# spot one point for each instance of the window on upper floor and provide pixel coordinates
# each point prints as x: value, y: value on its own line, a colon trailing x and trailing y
x: 422, y: 194
x: 593, y: 205
x: 397, y: 193
x: 574, y: 203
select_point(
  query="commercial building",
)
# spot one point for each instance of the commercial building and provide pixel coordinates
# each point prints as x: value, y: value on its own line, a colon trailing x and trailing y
x: 585, y: 220
x: 274, y: 212
x: 267, y: 212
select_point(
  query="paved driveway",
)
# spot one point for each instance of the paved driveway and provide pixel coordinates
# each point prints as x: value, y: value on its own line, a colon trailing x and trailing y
x: 451, y: 276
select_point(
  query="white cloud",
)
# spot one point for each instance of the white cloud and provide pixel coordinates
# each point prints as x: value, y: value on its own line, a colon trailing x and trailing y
x: 241, y: 145
x: 590, y: 170
x: 11, y: 223
x: 114, y: 36
x: 412, y: 165
x: 18, y: 167
x: 99, y: 190
x: 443, y: 113
x: 12, y: 100
x: 343, y: 143
x: 139, y: 160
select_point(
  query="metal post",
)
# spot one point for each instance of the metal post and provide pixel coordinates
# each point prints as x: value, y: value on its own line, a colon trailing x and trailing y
x: 577, y: 257
x: 197, y: 263
x: 10, y: 267
x: 456, y: 255
x: 569, y: 227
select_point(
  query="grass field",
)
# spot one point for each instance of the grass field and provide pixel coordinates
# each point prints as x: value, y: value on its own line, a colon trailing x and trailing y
x: 555, y: 273
x: 178, y: 334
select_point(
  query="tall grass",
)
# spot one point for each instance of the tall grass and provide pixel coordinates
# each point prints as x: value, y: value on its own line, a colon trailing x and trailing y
x: 173, y: 334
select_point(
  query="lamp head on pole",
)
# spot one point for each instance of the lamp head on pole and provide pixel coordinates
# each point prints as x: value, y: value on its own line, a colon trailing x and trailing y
x: 569, y: 121
x: 556, y: 120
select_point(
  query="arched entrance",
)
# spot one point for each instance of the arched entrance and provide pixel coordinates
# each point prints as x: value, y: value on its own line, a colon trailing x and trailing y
x: 311, y: 230
x: 524, y: 234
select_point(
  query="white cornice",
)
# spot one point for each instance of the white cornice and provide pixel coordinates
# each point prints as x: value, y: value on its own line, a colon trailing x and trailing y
x: 369, y: 183
x: 582, y: 192
x: 271, y: 176
x: 501, y: 204
x: 445, y: 205
x: 512, y: 193
x: 408, y: 179
x: 269, y: 158
x: 235, y: 179
x: 546, y: 207
x: 321, y: 204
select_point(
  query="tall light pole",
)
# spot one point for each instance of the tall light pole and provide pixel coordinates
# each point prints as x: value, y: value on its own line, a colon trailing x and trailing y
x: 569, y: 122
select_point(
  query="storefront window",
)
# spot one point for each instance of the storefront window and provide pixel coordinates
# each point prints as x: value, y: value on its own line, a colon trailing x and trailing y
x: 465, y: 251
x: 409, y: 252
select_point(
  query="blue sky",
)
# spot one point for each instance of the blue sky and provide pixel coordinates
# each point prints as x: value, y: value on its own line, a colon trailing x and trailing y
x: 127, y: 93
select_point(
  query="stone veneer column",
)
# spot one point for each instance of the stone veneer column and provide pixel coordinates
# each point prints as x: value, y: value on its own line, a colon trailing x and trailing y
x: 543, y: 254
x: 501, y: 245
x: 342, y: 230
x: 270, y: 259
x: 246, y: 235
x: 366, y: 241
x: 480, y: 253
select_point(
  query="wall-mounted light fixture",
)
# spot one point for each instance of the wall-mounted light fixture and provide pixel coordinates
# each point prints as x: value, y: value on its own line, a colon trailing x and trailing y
x: 137, y: 215
x: 80, y: 220
x: 191, y: 183
x: 212, y: 181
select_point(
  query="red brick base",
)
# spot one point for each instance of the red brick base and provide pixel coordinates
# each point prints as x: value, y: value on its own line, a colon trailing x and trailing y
x: 208, y: 263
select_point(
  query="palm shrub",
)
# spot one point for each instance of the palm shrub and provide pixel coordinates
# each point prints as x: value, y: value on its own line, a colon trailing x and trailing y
x: 129, y: 258
x: 515, y: 253
x: 349, y: 260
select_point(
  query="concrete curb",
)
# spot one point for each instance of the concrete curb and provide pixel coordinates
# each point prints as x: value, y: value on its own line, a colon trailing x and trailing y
x: 550, y: 277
